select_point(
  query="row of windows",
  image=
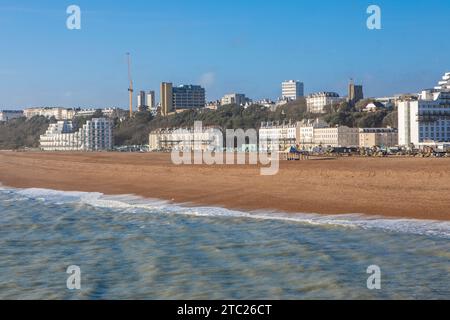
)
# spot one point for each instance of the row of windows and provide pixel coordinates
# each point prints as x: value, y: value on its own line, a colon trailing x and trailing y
x: 432, y: 129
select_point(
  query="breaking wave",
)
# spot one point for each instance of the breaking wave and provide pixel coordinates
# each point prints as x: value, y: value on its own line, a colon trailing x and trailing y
x: 132, y: 203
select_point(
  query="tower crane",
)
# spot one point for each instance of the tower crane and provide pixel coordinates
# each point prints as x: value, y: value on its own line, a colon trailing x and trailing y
x: 130, y: 89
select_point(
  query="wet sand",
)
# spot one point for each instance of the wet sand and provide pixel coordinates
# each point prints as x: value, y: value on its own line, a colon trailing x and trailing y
x: 393, y: 187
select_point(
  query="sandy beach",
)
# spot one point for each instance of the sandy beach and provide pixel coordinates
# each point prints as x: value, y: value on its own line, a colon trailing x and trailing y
x: 394, y: 187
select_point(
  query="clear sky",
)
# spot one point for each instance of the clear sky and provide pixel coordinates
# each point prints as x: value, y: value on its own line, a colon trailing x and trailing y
x: 247, y: 46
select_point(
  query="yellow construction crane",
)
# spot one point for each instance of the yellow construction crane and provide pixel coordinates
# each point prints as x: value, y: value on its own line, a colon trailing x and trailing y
x: 130, y: 89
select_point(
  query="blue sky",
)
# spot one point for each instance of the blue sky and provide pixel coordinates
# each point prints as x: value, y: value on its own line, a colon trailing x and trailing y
x: 247, y: 46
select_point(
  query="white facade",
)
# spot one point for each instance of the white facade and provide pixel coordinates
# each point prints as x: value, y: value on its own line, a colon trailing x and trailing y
x: 426, y: 121
x: 7, y: 115
x: 292, y: 90
x: 58, y: 113
x: 183, y: 139
x: 277, y: 137
x: 95, y: 135
x: 317, y: 102
x: 305, y: 132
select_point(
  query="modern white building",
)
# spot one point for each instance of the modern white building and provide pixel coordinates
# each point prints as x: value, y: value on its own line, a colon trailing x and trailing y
x: 426, y: 121
x: 95, y: 135
x: 7, y: 115
x: 276, y: 136
x: 235, y: 98
x: 292, y: 90
x: 58, y: 113
x: 317, y: 102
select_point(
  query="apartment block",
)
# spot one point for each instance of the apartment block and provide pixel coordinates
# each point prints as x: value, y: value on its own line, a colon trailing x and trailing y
x: 317, y: 102
x: 292, y: 90
x: 95, y: 135
x: 425, y: 121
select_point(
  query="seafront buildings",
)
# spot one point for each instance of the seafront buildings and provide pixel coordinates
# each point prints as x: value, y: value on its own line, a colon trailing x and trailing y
x: 95, y: 135
x: 384, y: 137
x: 305, y: 132
x: 317, y: 102
x: 425, y: 122
x: 277, y: 136
x: 7, y: 115
x: 292, y: 90
x: 340, y: 136
x: 182, y: 140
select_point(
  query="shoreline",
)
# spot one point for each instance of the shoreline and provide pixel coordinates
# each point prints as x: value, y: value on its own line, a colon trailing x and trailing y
x: 118, y: 203
x: 385, y: 188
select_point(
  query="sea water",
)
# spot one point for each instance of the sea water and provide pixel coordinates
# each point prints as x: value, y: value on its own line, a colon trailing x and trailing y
x: 132, y: 248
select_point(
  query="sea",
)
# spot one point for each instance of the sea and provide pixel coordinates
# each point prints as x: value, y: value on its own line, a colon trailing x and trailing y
x: 127, y: 247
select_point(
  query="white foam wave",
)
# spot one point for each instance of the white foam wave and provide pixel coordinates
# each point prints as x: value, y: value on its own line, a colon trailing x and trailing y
x: 131, y: 202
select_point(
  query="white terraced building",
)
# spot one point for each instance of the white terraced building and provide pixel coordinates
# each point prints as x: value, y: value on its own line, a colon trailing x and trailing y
x: 305, y: 132
x: 426, y: 121
x: 95, y: 135
x: 276, y: 136
x: 184, y: 139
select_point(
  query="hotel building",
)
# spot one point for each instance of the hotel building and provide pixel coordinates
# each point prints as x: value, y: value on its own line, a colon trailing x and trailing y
x: 317, y: 102
x: 276, y: 136
x: 95, y: 135
x: 426, y: 120
x: 292, y: 90
x: 7, y: 115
